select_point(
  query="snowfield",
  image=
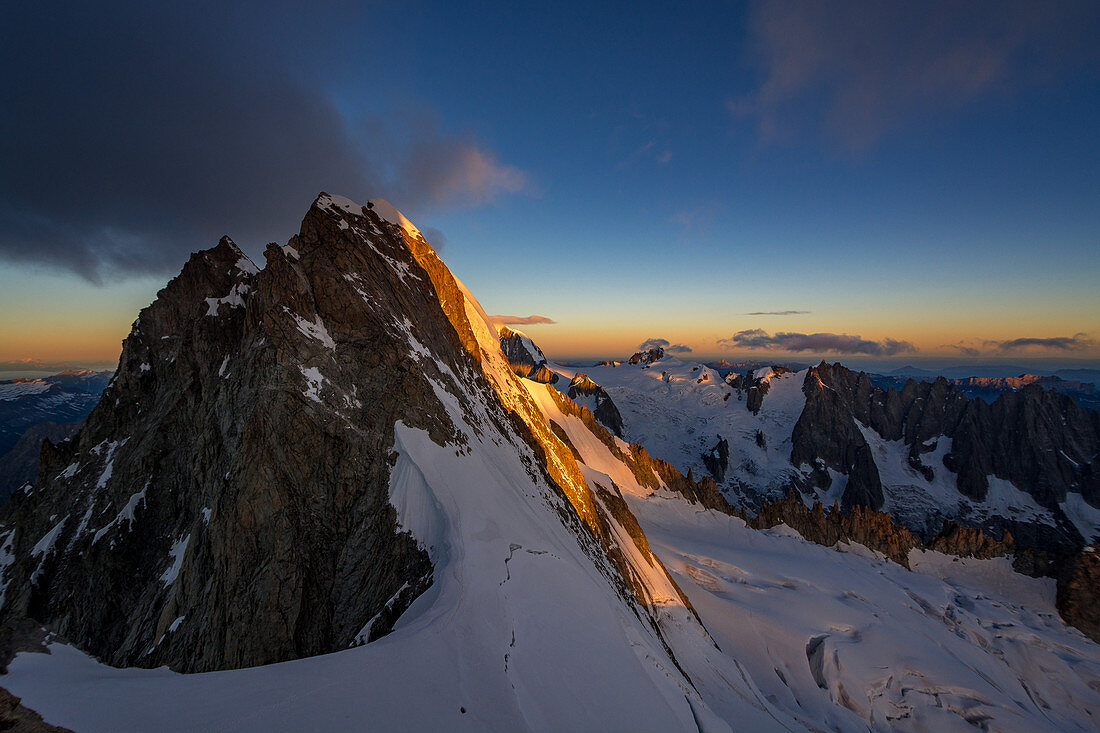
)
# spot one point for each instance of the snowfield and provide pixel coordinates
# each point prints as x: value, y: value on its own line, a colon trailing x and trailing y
x: 678, y: 410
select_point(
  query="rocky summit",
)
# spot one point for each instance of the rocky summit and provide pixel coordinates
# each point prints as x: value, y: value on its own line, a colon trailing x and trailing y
x: 228, y: 502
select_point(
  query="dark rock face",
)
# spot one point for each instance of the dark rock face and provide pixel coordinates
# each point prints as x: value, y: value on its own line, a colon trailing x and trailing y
x: 1079, y: 591
x: 19, y: 466
x: 605, y: 411
x: 826, y: 436
x: 1043, y: 442
x: 15, y: 717
x: 226, y: 503
x: 961, y: 541
x: 875, y: 530
x: 717, y: 460
x: 647, y: 357
x: 755, y: 388
x: 869, y: 528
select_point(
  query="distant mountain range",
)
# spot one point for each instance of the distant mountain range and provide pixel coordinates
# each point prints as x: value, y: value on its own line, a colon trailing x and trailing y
x: 32, y: 409
x: 1083, y: 390
x: 999, y: 371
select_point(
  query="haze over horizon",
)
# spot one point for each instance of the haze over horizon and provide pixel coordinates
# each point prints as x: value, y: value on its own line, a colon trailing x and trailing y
x: 879, y: 185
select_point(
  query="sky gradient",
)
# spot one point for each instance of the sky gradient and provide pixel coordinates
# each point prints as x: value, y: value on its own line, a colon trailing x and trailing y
x: 865, y: 181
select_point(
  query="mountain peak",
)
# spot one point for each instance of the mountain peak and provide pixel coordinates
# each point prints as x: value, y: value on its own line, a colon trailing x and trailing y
x: 385, y: 211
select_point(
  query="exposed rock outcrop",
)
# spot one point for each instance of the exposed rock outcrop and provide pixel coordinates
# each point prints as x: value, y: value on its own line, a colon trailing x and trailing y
x: 1040, y: 441
x: 583, y: 389
x: 647, y: 357
x: 875, y: 530
x: 826, y: 437
x: 754, y: 385
x: 19, y: 719
x: 961, y: 541
x: 717, y: 459
x: 19, y: 466
x: 1079, y: 591
x: 246, y: 436
x: 524, y: 356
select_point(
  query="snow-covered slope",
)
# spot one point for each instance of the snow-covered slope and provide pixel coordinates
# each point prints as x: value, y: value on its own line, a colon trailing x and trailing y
x: 572, y: 587
x: 679, y: 410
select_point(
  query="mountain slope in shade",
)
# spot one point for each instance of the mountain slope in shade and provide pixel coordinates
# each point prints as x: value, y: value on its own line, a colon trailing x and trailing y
x: 336, y: 447
x: 20, y: 464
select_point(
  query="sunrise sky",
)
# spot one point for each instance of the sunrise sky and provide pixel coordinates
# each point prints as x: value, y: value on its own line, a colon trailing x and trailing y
x: 869, y: 181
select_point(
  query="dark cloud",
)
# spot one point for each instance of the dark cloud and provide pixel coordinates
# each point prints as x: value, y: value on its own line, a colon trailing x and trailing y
x: 839, y: 343
x: 862, y: 67
x: 1077, y: 342
x: 521, y: 320
x: 136, y: 133
x: 664, y: 344
x: 776, y: 313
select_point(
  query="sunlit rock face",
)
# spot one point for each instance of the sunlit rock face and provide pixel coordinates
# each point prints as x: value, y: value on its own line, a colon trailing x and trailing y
x: 647, y: 357
x: 583, y: 390
x: 525, y: 358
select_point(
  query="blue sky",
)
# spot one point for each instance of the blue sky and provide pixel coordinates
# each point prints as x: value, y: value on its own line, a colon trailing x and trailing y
x: 925, y: 174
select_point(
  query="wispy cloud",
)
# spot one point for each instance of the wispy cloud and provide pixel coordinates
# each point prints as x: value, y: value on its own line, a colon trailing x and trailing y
x: 1076, y: 342
x: 664, y: 344
x: 776, y: 313
x: 1032, y: 344
x: 520, y: 320
x: 838, y: 343
x: 863, y: 67
x: 963, y: 348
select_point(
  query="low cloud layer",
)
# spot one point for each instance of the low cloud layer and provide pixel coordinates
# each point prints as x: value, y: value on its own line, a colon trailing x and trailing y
x: 146, y: 131
x: 836, y: 343
x: 664, y: 344
x: 1076, y: 342
x: 860, y: 68
x: 776, y: 313
x: 1028, y: 344
x: 520, y: 320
